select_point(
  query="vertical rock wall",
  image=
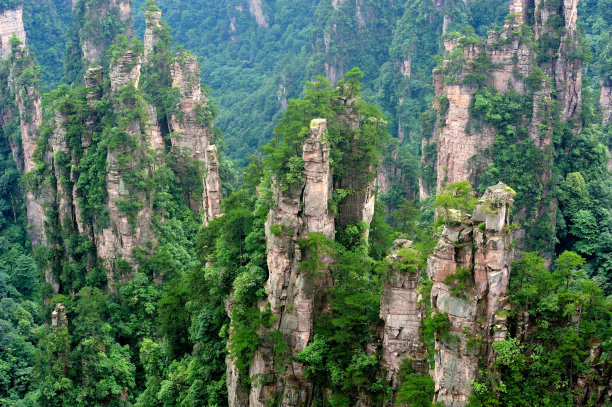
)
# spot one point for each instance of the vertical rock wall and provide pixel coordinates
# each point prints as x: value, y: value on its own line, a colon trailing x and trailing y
x: 93, y: 14
x: 124, y: 235
x: 194, y: 135
x: 512, y: 58
x: 605, y: 102
x: 482, y: 246
x: 294, y: 295
x: 11, y: 24
x: 23, y: 114
x: 115, y: 232
x: 402, y: 310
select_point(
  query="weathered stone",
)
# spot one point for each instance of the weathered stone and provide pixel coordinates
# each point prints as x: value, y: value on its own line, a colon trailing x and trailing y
x: 92, y: 48
x: 11, y: 24
x: 475, y: 312
x: 402, y: 311
x: 58, y: 317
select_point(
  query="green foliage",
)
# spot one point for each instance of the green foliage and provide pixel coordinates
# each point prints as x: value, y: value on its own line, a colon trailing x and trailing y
x: 459, y: 282
x: 437, y: 324
x: 356, y: 150
x: 338, y: 357
x: 416, y: 390
x: 569, y: 313
x: 457, y: 200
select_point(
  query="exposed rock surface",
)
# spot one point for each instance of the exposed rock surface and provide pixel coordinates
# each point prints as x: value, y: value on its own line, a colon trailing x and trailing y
x: 212, y: 188
x: 123, y: 234
x: 482, y: 245
x: 124, y: 222
x: 512, y: 57
x: 58, y: 317
x: 94, y: 13
x: 153, y: 24
x: 11, y: 24
x: 402, y: 310
x: 22, y: 114
x: 257, y: 12
x: 605, y: 101
x: 295, y: 295
x: 194, y: 130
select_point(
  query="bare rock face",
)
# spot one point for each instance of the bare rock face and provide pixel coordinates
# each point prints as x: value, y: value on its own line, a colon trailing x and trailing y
x: 58, y: 317
x: 402, y: 310
x: 11, y: 24
x: 479, y: 249
x: 257, y: 12
x: 605, y: 101
x: 458, y: 139
x: 212, y: 188
x: 92, y: 47
x: 23, y: 110
x: 512, y: 59
x: 193, y: 131
x: 124, y: 70
x: 153, y: 24
x: 124, y: 234
x: 294, y: 295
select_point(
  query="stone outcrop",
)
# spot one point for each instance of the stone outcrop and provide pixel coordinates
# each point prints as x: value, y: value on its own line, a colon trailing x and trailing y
x: 295, y: 295
x: 478, y: 251
x: 193, y: 128
x: 89, y: 16
x: 402, y: 310
x: 123, y: 219
x: 605, y: 102
x: 11, y: 25
x: 512, y: 58
x: 124, y: 234
x: 212, y: 184
x: 153, y: 23
x: 257, y: 12
x: 58, y: 317
x: 21, y: 118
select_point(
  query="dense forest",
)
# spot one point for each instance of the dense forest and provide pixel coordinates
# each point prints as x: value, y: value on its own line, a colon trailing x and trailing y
x: 320, y: 203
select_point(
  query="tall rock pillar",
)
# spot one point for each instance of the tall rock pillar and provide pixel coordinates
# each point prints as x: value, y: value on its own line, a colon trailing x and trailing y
x: 470, y: 270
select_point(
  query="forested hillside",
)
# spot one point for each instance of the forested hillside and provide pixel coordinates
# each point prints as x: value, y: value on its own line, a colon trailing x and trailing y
x: 254, y: 203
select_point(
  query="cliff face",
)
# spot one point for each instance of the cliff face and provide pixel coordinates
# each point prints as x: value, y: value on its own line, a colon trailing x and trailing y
x: 510, y: 58
x: 605, y: 101
x: 124, y: 234
x: 93, y: 42
x: 92, y: 175
x: 193, y: 127
x: 294, y: 294
x: 470, y: 270
x: 21, y: 119
x: 402, y: 311
x: 11, y: 24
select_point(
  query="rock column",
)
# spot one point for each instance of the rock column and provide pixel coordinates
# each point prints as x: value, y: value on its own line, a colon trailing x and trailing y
x: 479, y: 250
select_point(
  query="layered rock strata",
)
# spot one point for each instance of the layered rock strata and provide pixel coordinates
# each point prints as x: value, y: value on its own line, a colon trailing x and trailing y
x: 192, y: 125
x: 133, y: 148
x: 295, y: 295
x: 124, y: 234
x: 470, y: 271
x: 402, y: 310
x: 21, y: 118
x: 510, y: 53
x: 605, y: 102
x: 11, y: 25
x: 93, y: 14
